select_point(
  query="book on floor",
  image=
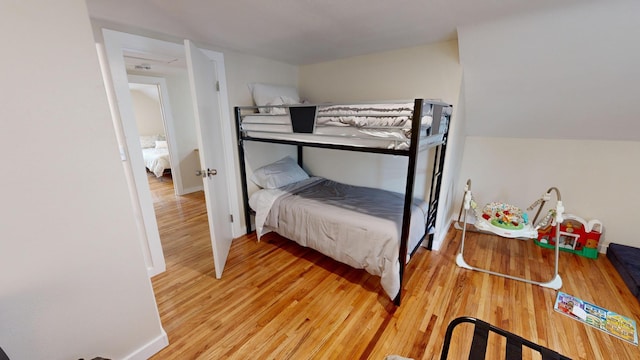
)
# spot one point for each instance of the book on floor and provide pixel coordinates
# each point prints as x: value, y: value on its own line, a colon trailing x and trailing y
x: 600, y: 318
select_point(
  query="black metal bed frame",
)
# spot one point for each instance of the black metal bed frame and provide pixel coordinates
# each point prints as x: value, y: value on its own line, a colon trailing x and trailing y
x: 481, y: 331
x: 411, y: 153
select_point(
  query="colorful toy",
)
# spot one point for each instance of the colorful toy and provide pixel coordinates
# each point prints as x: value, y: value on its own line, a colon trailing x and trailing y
x: 504, y: 220
x: 577, y: 236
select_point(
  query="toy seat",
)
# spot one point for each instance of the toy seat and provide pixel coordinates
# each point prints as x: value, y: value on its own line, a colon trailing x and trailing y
x: 509, y: 229
x: 478, y: 349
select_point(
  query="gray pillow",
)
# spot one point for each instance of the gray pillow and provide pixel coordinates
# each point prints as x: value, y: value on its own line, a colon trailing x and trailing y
x: 280, y: 173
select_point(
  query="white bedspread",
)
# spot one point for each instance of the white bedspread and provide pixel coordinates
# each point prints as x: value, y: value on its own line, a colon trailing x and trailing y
x: 156, y: 160
x: 371, y: 115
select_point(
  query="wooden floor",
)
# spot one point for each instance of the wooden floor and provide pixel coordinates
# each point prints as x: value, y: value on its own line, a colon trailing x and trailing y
x: 277, y: 300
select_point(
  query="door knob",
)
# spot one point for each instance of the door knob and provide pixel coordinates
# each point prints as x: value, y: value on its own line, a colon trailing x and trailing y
x: 206, y: 173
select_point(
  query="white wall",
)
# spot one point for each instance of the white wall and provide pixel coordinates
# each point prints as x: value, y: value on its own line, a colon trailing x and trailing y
x: 567, y: 74
x: 243, y: 69
x: 146, y: 105
x: 552, y: 100
x: 73, y: 281
x: 592, y: 182
x: 184, y: 129
x: 423, y: 71
x: 429, y: 71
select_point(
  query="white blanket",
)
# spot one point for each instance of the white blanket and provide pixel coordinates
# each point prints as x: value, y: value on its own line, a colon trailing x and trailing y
x: 372, y: 115
x: 403, y: 109
x: 156, y: 160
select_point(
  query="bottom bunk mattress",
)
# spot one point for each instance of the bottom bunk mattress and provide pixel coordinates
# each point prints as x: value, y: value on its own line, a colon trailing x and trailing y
x: 358, y: 226
x: 156, y: 160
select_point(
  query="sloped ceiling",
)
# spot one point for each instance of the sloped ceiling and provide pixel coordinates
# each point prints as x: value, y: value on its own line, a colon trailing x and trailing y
x: 310, y: 31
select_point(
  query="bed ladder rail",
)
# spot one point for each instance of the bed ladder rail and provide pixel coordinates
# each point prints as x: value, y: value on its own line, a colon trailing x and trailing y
x: 436, y: 185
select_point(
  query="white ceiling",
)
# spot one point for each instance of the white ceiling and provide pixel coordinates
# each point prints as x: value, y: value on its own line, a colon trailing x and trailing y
x: 310, y: 31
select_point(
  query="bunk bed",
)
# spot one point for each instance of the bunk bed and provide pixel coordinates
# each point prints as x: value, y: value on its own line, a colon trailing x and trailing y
x: 397, y: 227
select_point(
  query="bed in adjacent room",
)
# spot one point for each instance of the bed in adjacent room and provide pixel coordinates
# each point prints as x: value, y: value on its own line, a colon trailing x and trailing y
x: 155, y: 153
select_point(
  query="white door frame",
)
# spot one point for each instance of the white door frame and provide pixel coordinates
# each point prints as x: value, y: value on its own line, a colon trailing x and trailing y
x: 167, y: 122
x: 122, y: 107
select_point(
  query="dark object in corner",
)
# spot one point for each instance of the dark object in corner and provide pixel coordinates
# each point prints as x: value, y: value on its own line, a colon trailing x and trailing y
x: 303, y: 119
x: 481, y: 335
x: 626, y: 260
x: 3, y: 355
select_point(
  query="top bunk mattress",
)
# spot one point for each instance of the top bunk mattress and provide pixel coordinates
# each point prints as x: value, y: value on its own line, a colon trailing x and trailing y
x: 386, y: 125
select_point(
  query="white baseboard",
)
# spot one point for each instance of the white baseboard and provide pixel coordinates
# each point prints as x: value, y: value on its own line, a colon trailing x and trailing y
x: 436, y: 245
x: 439, y: 239
x: 155, y: 270
x: 602, y: 248
x: 191, y: 190
x: 151, y: 348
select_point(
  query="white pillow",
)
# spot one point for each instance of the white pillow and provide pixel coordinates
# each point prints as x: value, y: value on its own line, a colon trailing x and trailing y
x: 161, y: 144
x: 280, y: 100
x: 148, y: 141
x: 280, y: 173
x: 266, y: 94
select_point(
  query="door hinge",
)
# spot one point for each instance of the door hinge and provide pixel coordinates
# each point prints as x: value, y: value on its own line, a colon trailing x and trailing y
x: 217, y: 85
x: 231, y: 217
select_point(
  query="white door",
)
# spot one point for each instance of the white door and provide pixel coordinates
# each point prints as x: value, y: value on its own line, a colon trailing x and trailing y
x: 202, y: 76
x: 115, y: 77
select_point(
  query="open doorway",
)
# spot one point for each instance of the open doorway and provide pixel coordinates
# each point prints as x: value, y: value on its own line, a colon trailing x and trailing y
x: 163, y: 112
x: 168, y: 144
x: 150, y: 120
x: 165, y: 125
x: 210, y: 123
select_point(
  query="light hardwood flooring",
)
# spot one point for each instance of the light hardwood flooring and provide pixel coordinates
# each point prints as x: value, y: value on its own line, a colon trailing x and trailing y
x: 277, y: 300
